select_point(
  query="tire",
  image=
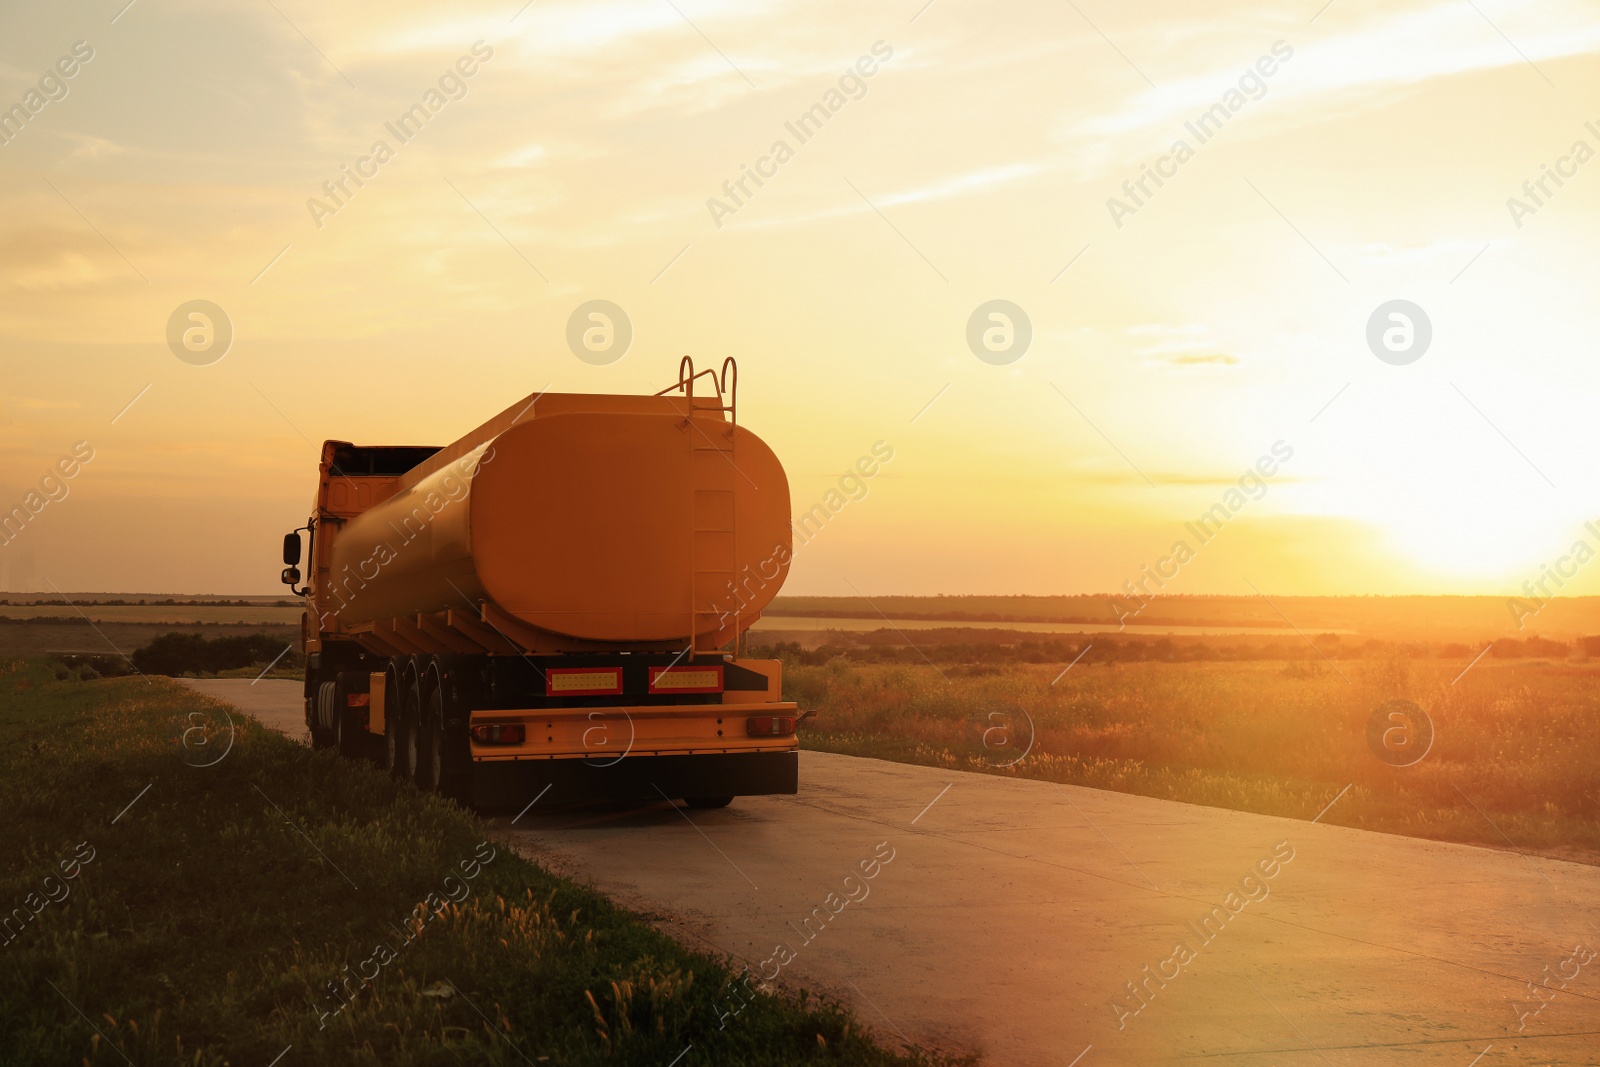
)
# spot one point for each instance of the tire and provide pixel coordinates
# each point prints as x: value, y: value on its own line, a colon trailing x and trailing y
x: 394, y: 727
x: 708, y: 802
x: 449, y: 709
x: 321, y: 724
x: 350, y: 728
x: 411, y: 731
x: 430, y: 739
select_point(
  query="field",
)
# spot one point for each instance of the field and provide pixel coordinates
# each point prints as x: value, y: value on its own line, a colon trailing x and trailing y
x: 1402, y: 618
x: 1269, y: 712
x: 187, y: 613
x: 1276, y: 718
x: 1514, y: 761
x: 116, y: 624
x: 173, y: 902
x: 34, y: 624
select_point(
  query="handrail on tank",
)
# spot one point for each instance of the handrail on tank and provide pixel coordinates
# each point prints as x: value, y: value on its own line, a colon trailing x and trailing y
x: 729, y: 387
x: 726, y: 384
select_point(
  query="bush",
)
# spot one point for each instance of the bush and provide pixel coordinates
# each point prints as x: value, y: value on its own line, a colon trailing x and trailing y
x: 177, y: 654
x: 88, y: 666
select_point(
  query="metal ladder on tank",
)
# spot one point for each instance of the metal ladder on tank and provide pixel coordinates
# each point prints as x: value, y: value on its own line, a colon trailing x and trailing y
x: 713, y: 539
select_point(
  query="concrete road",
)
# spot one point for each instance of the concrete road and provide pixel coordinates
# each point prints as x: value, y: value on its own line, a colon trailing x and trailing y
x: 277, y: 703
x: 1037, y: 924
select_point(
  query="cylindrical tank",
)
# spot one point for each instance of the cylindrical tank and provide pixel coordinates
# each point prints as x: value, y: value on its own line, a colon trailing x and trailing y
x: 604, y: 519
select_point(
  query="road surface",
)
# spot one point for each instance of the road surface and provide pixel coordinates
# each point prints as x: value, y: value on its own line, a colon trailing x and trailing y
x: 1017, y: 919
x: 277, y: 703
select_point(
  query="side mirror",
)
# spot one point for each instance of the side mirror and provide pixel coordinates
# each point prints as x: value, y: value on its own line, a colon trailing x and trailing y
x: 291, y: 549
x: 291, y: 576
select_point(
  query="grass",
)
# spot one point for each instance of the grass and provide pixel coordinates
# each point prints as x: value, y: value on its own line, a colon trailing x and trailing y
x: 215, y: 920
x: 1515, y: 761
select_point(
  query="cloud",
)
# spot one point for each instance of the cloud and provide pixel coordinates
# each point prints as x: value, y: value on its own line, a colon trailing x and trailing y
x: 1196, y: 359
x: 1186, y: 345
x: 1387, y: 51
x: 1176, y: 479
x: 949, y: 188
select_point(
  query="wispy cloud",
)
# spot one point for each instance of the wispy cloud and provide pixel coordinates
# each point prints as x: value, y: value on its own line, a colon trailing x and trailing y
x: 1391, y: 49
x: 952, y: 187
x: 1185, y: 345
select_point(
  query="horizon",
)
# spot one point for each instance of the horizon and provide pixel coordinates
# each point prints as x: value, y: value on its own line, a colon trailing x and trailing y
x: 70, y: 593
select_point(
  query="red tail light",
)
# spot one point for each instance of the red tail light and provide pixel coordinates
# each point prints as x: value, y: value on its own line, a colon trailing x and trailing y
x: 500, y: 734
x: 769, y: 726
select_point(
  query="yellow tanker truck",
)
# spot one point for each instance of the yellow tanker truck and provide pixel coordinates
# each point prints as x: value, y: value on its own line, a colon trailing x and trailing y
x: 553, y: 603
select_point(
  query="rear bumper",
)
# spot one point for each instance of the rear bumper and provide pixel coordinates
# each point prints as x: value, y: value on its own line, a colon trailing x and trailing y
x: 604, y: 734
x: 568, y: 781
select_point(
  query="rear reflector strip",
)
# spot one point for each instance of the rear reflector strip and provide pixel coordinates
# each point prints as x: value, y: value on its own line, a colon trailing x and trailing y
x: 582, y: 681
x: 359, y: 700
x: 500, y: 734
x: 686, y: 679
x: 769, y: 726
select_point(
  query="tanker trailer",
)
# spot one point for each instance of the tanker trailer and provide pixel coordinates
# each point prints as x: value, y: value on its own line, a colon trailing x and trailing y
x: 555, y: 602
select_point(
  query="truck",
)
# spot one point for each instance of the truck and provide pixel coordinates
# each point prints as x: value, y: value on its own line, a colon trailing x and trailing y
x: 556, y: 603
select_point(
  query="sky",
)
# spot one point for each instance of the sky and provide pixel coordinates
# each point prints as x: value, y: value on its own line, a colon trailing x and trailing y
x: 1356, y: 154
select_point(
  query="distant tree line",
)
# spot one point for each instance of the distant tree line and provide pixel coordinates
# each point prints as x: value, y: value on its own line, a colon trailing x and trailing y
x: 928, y: 648
x: 169, y: 602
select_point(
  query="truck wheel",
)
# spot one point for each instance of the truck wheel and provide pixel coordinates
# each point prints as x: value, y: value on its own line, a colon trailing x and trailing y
x: 321, y: 724
x: 411, y: 732
x: 447, y: 763
x: 394, y: 726
x: 430, y: 749
x: 708, y: 802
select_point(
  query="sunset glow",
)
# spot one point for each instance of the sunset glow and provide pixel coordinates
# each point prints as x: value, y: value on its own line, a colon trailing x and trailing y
x: 930, y: 161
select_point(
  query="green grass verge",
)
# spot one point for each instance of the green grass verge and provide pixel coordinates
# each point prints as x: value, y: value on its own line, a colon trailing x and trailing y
x: 212, y: 914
